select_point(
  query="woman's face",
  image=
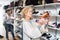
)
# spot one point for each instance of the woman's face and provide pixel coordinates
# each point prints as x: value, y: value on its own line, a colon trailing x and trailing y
x: 29, y: 13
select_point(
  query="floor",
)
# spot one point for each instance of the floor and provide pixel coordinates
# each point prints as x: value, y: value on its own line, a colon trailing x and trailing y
x: 10, y: 37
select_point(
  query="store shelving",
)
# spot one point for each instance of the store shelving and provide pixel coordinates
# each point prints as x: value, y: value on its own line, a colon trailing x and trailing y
x: 51, y: 7
x: 47, y: 7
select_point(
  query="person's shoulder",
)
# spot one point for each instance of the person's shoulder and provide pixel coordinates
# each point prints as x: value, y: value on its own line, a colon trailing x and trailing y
x: 23, y: 20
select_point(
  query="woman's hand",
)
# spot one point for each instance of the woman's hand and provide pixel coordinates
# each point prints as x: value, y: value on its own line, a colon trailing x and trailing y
x: 43, y: 29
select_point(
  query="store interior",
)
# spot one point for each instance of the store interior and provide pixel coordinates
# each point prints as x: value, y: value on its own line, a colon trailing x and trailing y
x: 40, y: 6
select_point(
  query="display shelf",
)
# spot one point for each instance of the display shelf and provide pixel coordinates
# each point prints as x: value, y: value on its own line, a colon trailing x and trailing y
x: 38, y: 6
x: 55, y: 16
x: 51, y: 4
x: 54, y: 28
x: 53, y: 8
x: 18, y: 6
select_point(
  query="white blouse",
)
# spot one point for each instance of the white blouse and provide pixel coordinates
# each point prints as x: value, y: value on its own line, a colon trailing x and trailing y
x: 30, y: 30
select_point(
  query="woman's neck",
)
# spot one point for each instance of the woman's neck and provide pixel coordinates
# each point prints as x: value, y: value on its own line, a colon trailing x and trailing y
x: 27, y: 18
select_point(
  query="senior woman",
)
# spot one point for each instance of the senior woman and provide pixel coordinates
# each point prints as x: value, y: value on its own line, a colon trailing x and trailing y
x: 29, y: 29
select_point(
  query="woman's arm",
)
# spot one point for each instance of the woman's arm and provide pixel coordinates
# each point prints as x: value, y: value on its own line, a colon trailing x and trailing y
x: 30, y: 31
x: 43, y: 29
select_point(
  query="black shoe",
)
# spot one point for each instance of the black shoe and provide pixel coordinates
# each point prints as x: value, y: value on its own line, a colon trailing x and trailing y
x: 1, y: 36
x: 47, y: 35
